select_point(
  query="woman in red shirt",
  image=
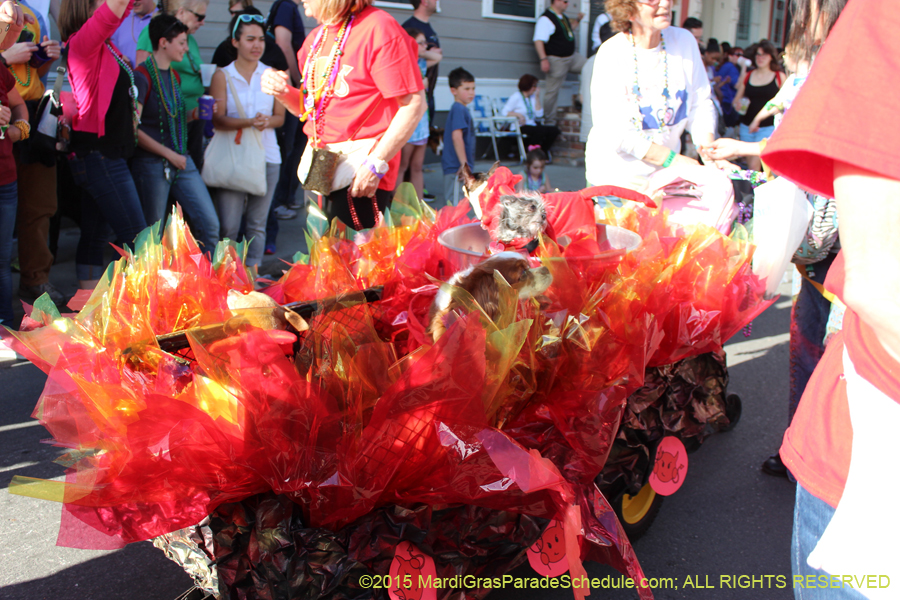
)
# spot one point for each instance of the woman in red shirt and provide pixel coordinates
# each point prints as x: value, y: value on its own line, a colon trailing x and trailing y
x: 365, y: 86
x: 839, y: 140
x: 104, y: 132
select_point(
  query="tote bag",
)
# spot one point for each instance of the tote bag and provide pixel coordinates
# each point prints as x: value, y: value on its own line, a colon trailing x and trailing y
x: 236, y: 160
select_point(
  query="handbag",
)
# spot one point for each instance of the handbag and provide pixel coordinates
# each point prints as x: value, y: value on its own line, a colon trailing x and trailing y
x: 236, y: 160
x: 324, y: 170
x: 781, y: 217
x: 822, y: 233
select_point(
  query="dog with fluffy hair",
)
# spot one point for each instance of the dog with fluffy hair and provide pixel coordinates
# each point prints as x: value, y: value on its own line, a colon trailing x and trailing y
x: 478, y: 280
x: 517, y: 220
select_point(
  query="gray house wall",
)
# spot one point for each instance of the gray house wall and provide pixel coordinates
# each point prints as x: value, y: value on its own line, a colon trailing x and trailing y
x: 496, y: 51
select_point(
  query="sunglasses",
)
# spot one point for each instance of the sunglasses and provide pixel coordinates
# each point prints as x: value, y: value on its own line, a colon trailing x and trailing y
x: 259, y: 19
x: 199, y: 16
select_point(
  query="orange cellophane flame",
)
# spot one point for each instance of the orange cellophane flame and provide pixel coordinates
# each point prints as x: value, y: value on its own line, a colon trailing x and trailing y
x: 365, y: 409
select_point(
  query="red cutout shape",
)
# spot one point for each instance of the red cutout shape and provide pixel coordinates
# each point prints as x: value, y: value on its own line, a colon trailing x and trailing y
x: 670, y: 467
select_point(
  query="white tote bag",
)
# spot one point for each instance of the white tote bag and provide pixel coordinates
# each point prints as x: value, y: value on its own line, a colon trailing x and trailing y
x: 781, y: 215
x: 236, y: 160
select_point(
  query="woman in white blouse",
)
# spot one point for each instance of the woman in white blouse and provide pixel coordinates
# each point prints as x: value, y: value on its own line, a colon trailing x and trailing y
x: 245, y: 74
x: 525, y: 105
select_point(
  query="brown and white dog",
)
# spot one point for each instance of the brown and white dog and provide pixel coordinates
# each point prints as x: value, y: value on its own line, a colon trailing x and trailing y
x: 478, y: 280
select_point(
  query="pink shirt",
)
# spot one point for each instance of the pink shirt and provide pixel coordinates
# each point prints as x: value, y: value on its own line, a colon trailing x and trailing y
x: 93, y: 69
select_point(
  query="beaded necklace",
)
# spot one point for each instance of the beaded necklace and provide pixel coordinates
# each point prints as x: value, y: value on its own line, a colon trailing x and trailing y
x: 27, y: 79
x: 529, y: 107
x: 132, y: 91
x: 316, y: 98
x: 194, y: 68
x: 174, y: 108
x: 638, y: 120
x: 567, y: 28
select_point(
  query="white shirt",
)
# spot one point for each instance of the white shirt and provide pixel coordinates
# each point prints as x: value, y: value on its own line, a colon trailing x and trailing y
x: 615, y: 147
x: 595, y: 34
x: 253, y: 101
x: 543, y: 29
x: 517, y: 103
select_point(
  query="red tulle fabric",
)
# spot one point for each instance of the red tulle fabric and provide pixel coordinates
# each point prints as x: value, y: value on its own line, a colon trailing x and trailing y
x: 515, y: 414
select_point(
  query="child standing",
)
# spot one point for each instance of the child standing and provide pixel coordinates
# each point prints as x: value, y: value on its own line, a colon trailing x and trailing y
x: 534, y: 179
x: 412, y: 156
x: 459, y: 132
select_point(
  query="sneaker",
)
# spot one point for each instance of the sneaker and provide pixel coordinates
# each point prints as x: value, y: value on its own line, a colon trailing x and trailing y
x: 270, y: 250
x: 284, y: 213
x: 297, y: 203
x: 30, y: 293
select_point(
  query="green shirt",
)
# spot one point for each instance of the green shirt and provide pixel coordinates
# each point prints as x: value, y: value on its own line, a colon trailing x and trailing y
x: 188, y: 68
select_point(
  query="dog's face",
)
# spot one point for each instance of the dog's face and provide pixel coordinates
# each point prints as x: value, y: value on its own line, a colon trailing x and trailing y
x: 479, y: 281
x: 521, y: 217
x: 474, y: 184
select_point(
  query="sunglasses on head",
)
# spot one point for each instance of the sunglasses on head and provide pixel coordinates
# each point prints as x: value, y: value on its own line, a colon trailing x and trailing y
x: 259, y: 19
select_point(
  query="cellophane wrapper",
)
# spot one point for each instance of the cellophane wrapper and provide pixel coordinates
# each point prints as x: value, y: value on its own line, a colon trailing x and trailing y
x: 364, y: 415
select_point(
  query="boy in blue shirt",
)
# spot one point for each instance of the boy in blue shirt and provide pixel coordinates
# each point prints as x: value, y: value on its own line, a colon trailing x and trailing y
x: 459, y: 132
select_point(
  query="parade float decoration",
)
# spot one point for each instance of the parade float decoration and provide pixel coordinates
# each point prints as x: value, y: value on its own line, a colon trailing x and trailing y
x: 279, y: 457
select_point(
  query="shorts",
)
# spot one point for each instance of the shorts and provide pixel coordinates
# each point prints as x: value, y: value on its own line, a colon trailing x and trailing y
x: 763, y: 133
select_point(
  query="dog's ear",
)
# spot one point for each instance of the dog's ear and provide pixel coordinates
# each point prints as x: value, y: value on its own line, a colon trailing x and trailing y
x: 468, y: 178
x: 484, y: 290
x: 493, y: 168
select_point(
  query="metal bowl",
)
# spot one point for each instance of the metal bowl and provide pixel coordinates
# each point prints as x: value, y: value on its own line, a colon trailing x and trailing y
x: 468, y: 243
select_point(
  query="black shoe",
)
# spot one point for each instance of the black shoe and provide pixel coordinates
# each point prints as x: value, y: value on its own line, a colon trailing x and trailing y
x: 774, y: 467
x: 31, y: 293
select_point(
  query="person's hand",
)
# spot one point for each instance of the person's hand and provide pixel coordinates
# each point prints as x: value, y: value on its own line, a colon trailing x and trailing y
x: 754, y: 126
x: 275, y: 83
x: 178, y: 161
x: 580, y: 16
x: 12, y: 14
x: 51, y: 47
x: 681, y: 160
x: 20, y: 53
x: 261, y: 121
x: 545, y: 65
x: 521, y: 119
x: 365, y: 182
x: 722, y: 149
x: 5, y: 115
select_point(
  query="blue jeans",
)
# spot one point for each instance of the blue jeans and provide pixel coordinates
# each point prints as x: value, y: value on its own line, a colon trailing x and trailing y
x: 809, y: 319
x: 293, y: 143
x: 764, y: 133
x: 811, y: 517
x: 9, y: 198
x: 111, y: 200
x: 232, y: 206
x: 189, y: 191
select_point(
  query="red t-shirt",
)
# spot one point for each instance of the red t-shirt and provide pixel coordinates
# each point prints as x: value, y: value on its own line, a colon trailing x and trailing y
x: 7, y: 163
x: 378, y: 65
x: 841, y: 115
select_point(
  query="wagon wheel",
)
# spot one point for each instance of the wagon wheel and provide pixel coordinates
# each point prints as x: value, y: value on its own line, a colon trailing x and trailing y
x: 636, y: 513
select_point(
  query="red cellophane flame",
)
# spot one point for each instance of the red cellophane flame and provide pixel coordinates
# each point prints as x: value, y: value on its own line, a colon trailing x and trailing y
x: 365, y: 410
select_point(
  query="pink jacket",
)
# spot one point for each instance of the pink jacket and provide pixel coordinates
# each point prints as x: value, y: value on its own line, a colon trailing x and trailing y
x: 93, y: 69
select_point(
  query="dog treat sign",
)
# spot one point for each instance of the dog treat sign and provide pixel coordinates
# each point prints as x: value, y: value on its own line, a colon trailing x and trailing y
x: 547, y: 556
x: 409, y: 569
x: 670, y: 466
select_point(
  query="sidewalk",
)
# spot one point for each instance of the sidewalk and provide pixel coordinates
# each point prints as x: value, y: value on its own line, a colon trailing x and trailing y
x: 291, y: 237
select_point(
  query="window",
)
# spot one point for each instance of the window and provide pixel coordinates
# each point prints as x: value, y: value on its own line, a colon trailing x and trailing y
x: 517, y: 8
x: 396, y: 4
x: 513, y: 10
x: 743, y: 26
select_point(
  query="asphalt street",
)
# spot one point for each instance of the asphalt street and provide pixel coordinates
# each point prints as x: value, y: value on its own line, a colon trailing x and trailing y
x: 727, y: 520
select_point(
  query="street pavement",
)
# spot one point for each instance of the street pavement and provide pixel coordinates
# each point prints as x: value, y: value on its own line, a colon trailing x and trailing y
x: 728, y: 519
